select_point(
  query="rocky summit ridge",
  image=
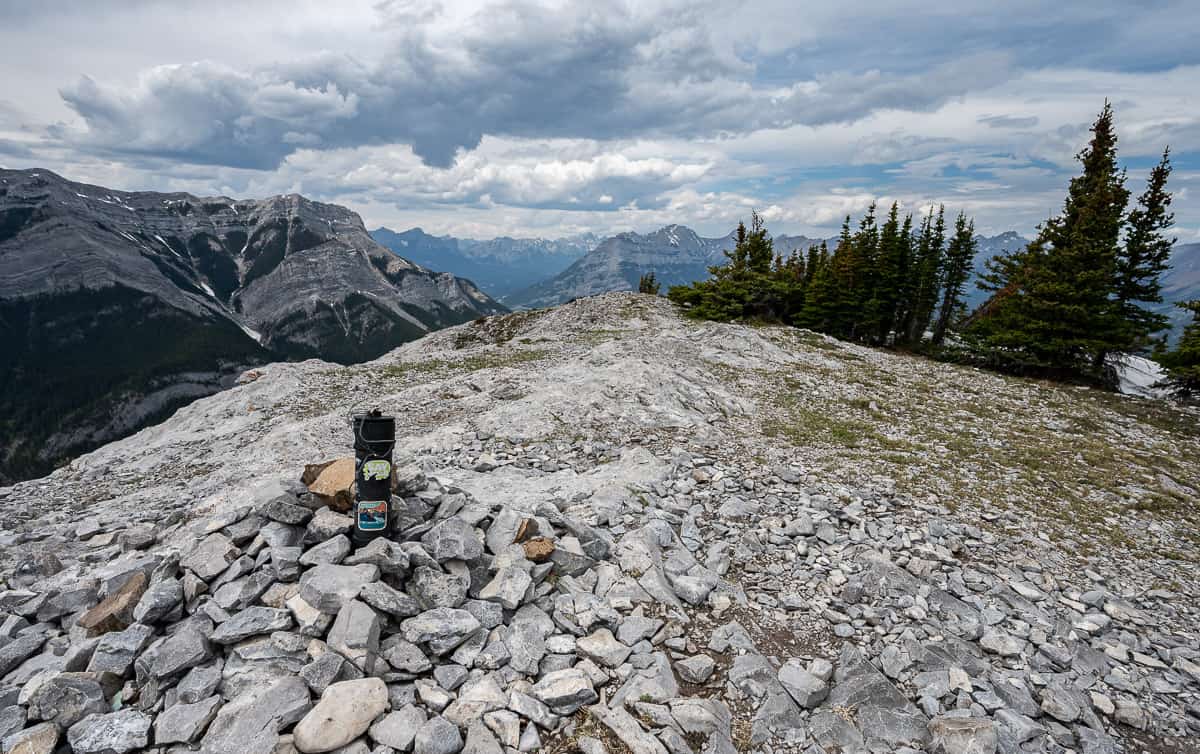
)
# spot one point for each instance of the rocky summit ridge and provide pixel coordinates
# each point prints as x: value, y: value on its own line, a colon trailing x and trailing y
x: 618, y: 531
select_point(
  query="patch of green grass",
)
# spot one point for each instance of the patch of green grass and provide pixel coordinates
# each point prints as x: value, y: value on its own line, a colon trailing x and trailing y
x: 474, y: 363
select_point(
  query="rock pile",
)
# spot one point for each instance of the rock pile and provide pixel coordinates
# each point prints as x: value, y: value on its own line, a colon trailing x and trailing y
x: 478, y: 626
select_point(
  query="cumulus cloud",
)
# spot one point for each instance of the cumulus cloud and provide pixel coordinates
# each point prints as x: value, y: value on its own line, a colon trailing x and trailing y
x: 563, y: 174
x: 548, y: 117
x: 516, y: 69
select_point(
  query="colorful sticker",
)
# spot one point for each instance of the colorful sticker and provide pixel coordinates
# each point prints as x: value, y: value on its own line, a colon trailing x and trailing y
x: 372, y: 515
x: 377, y: 469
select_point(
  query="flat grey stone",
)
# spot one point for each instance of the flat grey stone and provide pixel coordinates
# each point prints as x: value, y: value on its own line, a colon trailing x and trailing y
x: 116, y: 650
x: 250, y: 723
x: 452, y: 539
x: 12, y: 719
x: 381, y: 552
x: 67, y: 698
x: 332, y: 551
x: 508, y: 587
x: 881, y: 712
x: 19, y: 650
x: 480, y: 740
x: 211, y: 556
x: 433, y: 587
x: 325, y: 524
x: 185, y: 723
x: 437, y: 736
x: 199, y: 683
x: 602, y: 647
x: 803, y: 686
x: 442, y: 628
x: 388, y: 600
x: 963, y: 735
x: 182, y: 650
x: 252, y: 621
x: 696, y: 669
x: 327, y: 587
x: 397, y: 729
x: 565, y: 691
x: 355, y: 635
x: 159, y: 600
x: 403, y: 655
x: 113, y: 733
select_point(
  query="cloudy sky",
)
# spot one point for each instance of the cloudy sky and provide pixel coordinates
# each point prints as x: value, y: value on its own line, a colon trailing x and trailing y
x: 529, y: 118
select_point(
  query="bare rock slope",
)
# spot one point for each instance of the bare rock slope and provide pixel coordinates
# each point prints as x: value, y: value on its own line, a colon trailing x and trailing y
x: 760, y: 539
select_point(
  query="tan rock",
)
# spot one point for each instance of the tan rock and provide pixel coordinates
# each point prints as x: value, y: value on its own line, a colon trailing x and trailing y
x: 344, y: 713
x: 538, y: 549
x: 332, y: 482
x: 40, y: 739
x: 115, y: 612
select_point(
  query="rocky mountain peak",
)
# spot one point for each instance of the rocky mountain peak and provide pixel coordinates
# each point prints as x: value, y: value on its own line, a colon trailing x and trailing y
x: 143, y: 301
x: 614, y: 525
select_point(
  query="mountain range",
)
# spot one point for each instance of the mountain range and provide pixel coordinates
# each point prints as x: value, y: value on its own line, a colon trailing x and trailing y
x: 501, y: 266
x: 118, y: 307
x: 532, y: 273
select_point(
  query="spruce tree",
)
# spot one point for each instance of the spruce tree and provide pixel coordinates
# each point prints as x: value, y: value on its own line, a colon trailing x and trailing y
x: 887, y: 277
x: 853, y: 267
x: 740, y: 289
x: 927, y: 268
x: 958, y: 263
x: 1055, y: 309
x: 1145, y: 256
x: 1183, y: 363
x: 819, y: 311
x: 649, y: 284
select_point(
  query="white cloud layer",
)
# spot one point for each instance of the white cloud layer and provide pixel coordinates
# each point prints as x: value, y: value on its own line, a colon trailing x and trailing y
x: 548, y: 118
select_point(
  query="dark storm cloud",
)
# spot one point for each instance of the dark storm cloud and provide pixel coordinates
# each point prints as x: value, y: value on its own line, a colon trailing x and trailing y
x: 528, y: 72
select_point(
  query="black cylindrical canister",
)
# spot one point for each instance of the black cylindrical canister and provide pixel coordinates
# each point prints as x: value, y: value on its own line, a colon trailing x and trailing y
x: 374, y: 439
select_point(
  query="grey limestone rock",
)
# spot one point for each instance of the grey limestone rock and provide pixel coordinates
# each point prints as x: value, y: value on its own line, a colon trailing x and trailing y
x: 185, y: 723
x: 112, y: 733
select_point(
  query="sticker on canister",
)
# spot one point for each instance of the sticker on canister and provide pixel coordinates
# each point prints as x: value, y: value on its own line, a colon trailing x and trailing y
x: 376, y: 469
x: 372, y: 515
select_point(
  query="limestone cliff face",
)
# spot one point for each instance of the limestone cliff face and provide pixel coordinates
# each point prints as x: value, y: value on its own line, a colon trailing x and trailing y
x: 116, y: 307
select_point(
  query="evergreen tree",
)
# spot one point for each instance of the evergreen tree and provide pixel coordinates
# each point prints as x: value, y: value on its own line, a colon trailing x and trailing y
x: 788, y: 285
x: 821, y: 294
x: 852, y: 268
x: 1183, y: 363
x: 927, y: 268
x: 959, y: 257
x: 649, y: 284
x: 742, y: 288
x: 1058, y: 312
x: 814, y: 258
x: 1146, y: 255
x: 887, y: 278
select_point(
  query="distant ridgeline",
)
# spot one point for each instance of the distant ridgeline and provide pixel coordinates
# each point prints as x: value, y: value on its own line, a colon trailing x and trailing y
x: 116, y: 308
x: 501, y: 266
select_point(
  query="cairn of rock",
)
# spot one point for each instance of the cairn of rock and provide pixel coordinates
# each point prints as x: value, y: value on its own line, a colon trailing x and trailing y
x: 713, y: 611
x: 476, y: 628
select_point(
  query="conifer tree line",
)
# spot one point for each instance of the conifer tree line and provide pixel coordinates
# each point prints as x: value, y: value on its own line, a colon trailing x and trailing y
x: 1078, y: 294
x: 883, y: 283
